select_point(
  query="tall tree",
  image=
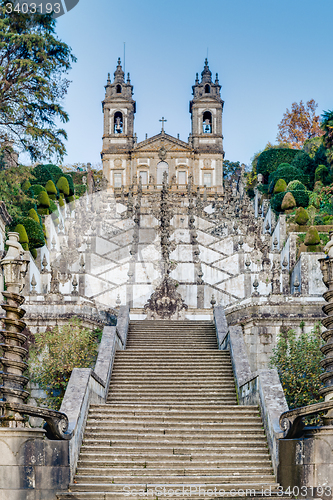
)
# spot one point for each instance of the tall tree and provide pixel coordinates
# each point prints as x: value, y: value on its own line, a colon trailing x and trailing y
x: 327, y: 128
x: 299, y: 124
x: 33, y: 65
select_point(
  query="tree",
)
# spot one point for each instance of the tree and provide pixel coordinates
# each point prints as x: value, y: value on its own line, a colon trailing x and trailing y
x: 327, y: 129
x: 17, y: 201
x: 297, y: 361
x: 33, y: 63
x: 230, y: 168
x: 299, y: 124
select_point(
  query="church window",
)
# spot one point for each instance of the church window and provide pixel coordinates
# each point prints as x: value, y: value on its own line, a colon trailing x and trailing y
x: 144, y: 178
x: 207, y: 180
x: 181, y: 177
x: 118, y: 89
x: 207, y: 122
x: 117, y: 178
x: 162, y: 167
x: 207, y: 89
x: 118, y: 123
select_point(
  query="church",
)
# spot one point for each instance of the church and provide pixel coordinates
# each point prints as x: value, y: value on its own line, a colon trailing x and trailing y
x: 200, y: 160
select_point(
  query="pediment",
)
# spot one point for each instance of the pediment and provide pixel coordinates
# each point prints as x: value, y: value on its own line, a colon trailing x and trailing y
x: 157, y: 142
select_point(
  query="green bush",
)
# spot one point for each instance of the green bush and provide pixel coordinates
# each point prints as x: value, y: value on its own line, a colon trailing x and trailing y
x: 24, y: 240
x: 70, y: 184
x: 297, y: 360
x: 288, y: 202
x: 33, y: 252
x: 34, y: 215
x: 69, y: 199
x: 318, y: 220
x: 63, y: 186
x: 301, y: 216
x: 51, y: 190
x: 43, y: 211
x: 295, y: 185
x: 280, y: 186
x: 43, y: 200
x: 312, y: 238
x: 26, y: 185
x: 303, y: 162
x: 61, y: 202
x: 57, y: 352
x: 44, y: 173
x: 288, y: 174
x: 270, y: 159
x: 80, y: 189
x: 301, y: 197
x: 320, y: 157
x: 276, y: 201
x: 35, y: 189
x: 53, y: 209
x: 33, y: 229
x: 322, y: 174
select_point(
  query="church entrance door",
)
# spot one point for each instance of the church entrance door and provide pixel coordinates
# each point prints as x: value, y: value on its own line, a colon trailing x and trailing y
x: 161, y: 168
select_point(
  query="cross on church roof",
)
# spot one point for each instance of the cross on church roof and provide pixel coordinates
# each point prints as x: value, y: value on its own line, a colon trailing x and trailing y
x: 163, y: 120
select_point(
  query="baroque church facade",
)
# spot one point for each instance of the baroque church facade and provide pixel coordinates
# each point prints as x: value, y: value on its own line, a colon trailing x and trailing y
x: 199, y: 161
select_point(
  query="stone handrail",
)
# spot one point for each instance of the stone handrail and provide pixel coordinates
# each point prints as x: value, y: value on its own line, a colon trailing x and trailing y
x: 292, y: 421
x: 57, y: 422
x: 261, y: 388
x: 87, y: 386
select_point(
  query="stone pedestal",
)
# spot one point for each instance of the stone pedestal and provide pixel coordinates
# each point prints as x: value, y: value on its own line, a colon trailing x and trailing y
x: 307, y: 463
x: 32, y: 467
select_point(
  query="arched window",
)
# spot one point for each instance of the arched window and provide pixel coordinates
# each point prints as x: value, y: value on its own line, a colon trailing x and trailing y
x: 207, y: 89
x: 207, y: 122
x: 118, y: 123
x: 118, y: 89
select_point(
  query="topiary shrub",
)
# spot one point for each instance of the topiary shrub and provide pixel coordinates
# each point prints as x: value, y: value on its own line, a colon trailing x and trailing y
x: 35, y: 189
x: 51, y: 190
x: 312, y: 239
x: 44, y: 173
x: 24, y: 240
x: 287, y: 173
x: 26, y: 185
x: 276, y: 201
x: 33, y: 229
x: 288, y: 202
x: 34, y: 215
x: 295, y: 185
x: 270, y: 159
x: 43, y: 211
x: 322, y: 174
x: 301, y: 216
x: 280, y: 186
x: 63, y: 186
x: 53, y: 209
x: 70, y: 184
x: 301, y: 197
x: 43, y: 200
x: 61, y: 202
x: 306, y: 164
x: 33, y: 252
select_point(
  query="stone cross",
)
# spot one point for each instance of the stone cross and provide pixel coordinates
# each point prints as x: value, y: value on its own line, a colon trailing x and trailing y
x: 163, y: 120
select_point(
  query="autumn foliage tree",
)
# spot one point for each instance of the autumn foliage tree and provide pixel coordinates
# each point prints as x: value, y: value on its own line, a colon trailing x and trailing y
x: 299, y: 124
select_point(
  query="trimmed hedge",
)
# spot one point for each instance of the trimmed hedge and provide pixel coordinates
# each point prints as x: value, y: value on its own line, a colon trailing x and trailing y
x: 44, y: 173
x: 288, y: 173
x: 51, y: 190
x: 24, y: 240
x: 33, y: 229
x: 270, y: 159
x: 63, y: 185
x: 296, y: 185
x: 34, y: 215
x: 301, y: 198
x: 43, y: 200
x: 53, y: 208
x: 280, y: 186
x: 322, y: 174
x: 70, y: 184
x: 306, y: 164
x: 35, y: 189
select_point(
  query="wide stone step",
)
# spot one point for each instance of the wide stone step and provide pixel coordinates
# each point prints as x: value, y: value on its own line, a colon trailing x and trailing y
x: 224, y: 478
x: 240, y: 494
x: 220, y: 455
x: 173, y: 422
x: 173, y: 445
x: 178, y: 409
x: 182, y: 461
x: 140, y: 400
x: 103, y: 427
x: 115, y: 436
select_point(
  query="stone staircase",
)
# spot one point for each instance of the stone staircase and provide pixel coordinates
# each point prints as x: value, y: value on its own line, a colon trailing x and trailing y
x: 172, y: 422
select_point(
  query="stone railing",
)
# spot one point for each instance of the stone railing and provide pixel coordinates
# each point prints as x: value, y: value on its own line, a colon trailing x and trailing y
x: 87, y: 386
x: 261, y: 388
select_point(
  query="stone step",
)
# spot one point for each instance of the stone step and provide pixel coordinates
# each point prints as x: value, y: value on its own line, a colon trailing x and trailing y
x: 178, y: 409
x: 155, y: 429
x: 220, y: 455
x: 174, y: 422
x: 146, y: 439
x: 139, y: 401
x: 177, y: 447
x: 115, y: 435
x: 172, y: 471
x: 239, y: 494
x: 182, y: 461
x: 203, y: 479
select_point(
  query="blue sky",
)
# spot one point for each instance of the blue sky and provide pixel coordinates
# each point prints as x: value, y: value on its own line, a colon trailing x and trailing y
x: 268, y: 54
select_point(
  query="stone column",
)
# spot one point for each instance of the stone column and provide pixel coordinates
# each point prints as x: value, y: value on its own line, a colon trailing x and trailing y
x: 14, y: 266
x: 326, y: 266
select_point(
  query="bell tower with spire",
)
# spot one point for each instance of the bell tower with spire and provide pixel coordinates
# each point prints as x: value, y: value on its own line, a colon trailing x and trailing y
x: 118, y: 136
x: 206, y: 137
